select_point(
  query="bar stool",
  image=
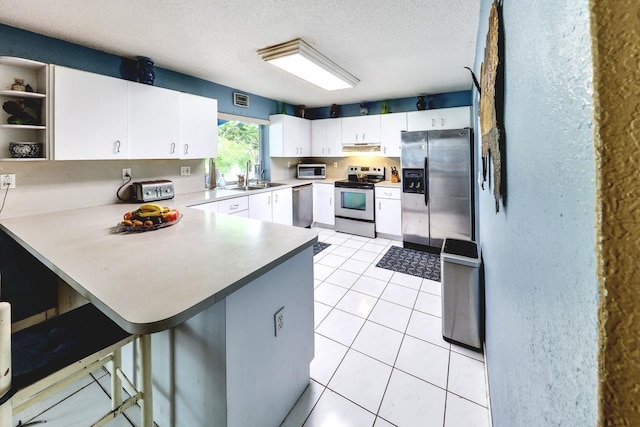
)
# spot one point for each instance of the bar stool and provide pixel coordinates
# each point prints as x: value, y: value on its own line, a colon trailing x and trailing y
x: 42, y: 359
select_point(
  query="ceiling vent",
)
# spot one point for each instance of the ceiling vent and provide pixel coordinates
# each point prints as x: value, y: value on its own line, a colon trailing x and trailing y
x: 240, y: 100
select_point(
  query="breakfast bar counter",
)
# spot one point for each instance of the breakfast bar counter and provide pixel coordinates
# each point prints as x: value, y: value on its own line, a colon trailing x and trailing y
x: 208, y: 288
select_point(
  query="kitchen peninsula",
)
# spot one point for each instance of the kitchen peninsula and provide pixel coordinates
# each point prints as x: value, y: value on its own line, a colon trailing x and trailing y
x: 207, y: 288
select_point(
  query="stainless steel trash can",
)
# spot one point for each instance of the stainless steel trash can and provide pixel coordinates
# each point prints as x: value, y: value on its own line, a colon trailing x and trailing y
x: 461, y: 303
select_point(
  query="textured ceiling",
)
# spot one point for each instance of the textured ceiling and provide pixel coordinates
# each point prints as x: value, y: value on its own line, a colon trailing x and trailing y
x: 395, y: 48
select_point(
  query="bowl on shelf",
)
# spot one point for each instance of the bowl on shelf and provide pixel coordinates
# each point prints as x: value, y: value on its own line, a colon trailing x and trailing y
x: 25, y: 150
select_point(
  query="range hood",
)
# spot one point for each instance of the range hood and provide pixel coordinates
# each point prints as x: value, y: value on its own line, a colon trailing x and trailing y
x: 361, y: 147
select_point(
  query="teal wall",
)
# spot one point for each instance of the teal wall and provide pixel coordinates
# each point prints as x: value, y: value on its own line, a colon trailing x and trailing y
x: 539, y: 250
x: 25, y: 44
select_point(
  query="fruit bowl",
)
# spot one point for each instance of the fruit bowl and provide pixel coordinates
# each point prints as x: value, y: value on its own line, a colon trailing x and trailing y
x: 25, y: 150
x: 131, y: 229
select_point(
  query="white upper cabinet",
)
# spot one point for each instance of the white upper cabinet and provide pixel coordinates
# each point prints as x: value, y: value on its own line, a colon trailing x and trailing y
x: 391, y: 127
x: 440, y: 119
x: 90, y: 118
x: 154, y: 128
x: 289, y: 136
x: 198, y: 127
x: 97, y: 117
x: 326, y: 138
x: 361, y: 129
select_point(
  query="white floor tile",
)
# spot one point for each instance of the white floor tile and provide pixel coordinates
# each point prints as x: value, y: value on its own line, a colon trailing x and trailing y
x: 320, y: 311
x: 333, y: 410
x: 410, y: 402
x: 327, y: 357
x: 336, y: 240
x: 353, y: 243
x: 344, y: 251
x: 360, y: 239
x: 391, y: 315
x: 372, y: 247
x: 369, y: 286
x: 328, y: 294
x: 321, y: 272
x: 431, y: 286
x: 343, y: 278
x: 41, y: 406
x: 340, y: 326
x: 361, y: 379
x: 304, y: 405
x: 380, y: 422
x: 316, y: 282
x: 407, y: 280
x: 466, y: 378
x: 357, y: 303
x: 427, y: 327
x: 79, y: 410
x: 332, y: 260
x: 466, y: 352
x: 463, y: 413
x: 397, y: 243
x: 379, y: 342
x: 428, y: 303
x: 324, y: 231
x: 317, y: 257
x: 424, y: 360
x: 369, y: 257
x: 355, y: 266
x: 378, y: 273
x: 381, y: 241
x: 400, y: 295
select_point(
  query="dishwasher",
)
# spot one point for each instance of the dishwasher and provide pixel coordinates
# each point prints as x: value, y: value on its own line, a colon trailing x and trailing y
x: 303, y: 205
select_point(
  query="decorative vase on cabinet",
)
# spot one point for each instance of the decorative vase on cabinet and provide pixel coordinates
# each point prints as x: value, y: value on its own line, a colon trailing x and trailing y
x: 146, y: 74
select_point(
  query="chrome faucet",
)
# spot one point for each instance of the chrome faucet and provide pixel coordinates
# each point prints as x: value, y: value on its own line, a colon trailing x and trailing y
x: 246, y: 179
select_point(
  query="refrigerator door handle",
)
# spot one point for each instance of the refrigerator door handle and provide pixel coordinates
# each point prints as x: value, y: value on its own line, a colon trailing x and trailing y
x: 426, y: 181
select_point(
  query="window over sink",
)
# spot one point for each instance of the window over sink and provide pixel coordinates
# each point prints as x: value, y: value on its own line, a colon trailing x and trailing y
x: 238, y: 142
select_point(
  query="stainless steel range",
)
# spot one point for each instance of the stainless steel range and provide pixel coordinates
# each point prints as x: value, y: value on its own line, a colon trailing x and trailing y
x: 355, y: 204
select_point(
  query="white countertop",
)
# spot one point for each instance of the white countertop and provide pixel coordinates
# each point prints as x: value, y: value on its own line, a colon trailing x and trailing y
x: 154, y: 280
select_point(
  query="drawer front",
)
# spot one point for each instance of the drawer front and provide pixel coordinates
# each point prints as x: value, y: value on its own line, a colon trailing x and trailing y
x: 230, y: 206
x: 323, y: 188
x: 208, y: 207
x: 388, y: 193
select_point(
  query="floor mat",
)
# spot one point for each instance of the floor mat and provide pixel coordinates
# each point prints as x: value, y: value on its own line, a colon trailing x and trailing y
x: 319, y: 247
x: 411, y: 261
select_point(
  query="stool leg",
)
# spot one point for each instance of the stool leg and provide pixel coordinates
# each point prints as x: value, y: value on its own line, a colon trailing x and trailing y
x: 5, y: 362
x: 147, y: 385
x: 116, y: 383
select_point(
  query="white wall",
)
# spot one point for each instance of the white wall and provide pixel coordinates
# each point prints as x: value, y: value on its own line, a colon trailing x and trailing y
x: 45, y: 186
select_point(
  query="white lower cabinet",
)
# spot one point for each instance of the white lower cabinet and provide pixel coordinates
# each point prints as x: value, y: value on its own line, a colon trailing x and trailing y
x: 273, y: 206
x: 234, y: 206
x: 323, y: 204
x: 283, y: 206
x: 260, y: 206
x: 388, y: 211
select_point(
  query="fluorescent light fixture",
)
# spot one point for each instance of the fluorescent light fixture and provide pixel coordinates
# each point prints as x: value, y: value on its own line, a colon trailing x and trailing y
x: 301, y: 60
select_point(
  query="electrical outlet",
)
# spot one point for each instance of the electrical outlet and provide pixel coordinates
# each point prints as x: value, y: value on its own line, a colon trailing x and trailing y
x: 185, y: 170
x: 335, y: 164
x: 8, y: 180
x: 126, y: 173
x: 278, y: 321
x: 288, y: 164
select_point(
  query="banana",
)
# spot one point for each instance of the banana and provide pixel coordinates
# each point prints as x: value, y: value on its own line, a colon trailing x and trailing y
x: 148, y: 214
x: 149, y: 207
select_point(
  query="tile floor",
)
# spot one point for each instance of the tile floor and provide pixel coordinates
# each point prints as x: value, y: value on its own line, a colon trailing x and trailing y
x: 380, y: 359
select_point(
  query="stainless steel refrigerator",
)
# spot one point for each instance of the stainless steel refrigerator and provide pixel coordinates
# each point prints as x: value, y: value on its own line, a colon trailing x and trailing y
x: 437, y: 196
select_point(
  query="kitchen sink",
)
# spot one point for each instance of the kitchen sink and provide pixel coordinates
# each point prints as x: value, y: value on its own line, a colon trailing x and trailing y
x: 254, y: 186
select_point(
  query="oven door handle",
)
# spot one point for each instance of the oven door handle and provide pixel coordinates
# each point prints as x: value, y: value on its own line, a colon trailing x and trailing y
x: 426, y: 181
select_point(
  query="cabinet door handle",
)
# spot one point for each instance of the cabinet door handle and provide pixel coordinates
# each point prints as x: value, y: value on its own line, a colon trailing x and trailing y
x: 186, y: 148
x: 433, y: 122
x: 172, y: 148
x: 328, y: 150
x: 117, y: 146
x: 379, y: 206
x: 233, y: 206
x: 330, y: 201
x: 442, y: 121
x: 276, y: 199
x: 384, y: 150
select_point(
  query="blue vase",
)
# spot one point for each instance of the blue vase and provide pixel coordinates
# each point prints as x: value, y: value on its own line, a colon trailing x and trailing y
x: 146, y: 74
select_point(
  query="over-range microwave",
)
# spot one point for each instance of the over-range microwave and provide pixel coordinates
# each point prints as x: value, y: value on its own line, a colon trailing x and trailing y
x: 312, y: 171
